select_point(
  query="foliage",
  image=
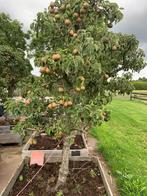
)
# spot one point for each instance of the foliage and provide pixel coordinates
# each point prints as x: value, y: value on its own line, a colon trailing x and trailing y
x: 140, y: 85
x: 24, y: 86
x: 122, y: 141
x: 13, y: 63
x: 79, y: 59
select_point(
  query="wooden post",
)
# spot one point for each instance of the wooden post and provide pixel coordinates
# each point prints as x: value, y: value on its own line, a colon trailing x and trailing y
x: 131, y: 97
x: 0, y: 157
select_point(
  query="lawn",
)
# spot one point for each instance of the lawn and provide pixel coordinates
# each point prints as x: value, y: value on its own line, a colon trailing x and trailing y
x: 123, y: 142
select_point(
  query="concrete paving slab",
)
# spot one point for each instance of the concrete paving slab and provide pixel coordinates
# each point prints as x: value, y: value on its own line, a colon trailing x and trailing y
x: 10, y: 159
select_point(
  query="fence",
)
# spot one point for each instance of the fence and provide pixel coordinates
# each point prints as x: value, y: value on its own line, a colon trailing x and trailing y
x: 140, y: 96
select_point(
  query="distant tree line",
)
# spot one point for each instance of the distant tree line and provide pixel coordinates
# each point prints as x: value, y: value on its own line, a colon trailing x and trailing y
x: 140, y: 84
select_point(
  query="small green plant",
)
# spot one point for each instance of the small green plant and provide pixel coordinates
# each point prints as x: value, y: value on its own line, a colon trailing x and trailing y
x: 31, y: 194
x: 21, y: 178
x: 92, y: 173
x: 59, y: 193
x: 77, y: 189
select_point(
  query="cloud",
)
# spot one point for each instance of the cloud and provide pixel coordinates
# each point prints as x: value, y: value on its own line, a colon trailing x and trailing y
x: 134, y: 21
x: 36, y: 72
x: 23, y: 10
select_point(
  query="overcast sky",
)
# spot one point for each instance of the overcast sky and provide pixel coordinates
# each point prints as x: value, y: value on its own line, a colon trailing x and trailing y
x: 134, y: 22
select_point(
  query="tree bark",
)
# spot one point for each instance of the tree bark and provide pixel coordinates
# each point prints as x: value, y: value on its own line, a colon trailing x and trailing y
x: 64, y: 168
x: 11, y: 89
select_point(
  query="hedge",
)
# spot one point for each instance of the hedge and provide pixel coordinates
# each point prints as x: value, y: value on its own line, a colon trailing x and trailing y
x: 140, y: 85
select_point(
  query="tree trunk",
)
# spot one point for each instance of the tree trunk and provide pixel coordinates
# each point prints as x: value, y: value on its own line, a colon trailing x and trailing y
x: 11, y: 89
x: 64, y: 168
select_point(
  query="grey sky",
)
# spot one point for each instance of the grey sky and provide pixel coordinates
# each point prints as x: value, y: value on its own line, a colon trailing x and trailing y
x: 134, y: 22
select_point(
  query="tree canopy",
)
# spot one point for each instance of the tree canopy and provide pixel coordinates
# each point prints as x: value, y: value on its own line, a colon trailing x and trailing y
x: 79, y: 59
x: 13, y: 63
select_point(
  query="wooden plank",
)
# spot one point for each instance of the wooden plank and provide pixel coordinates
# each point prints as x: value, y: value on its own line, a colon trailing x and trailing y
x: 13, y: 179
x: 135, y: 97
x: 9, y: 138
x: 139, y: 94
x: 5, y: 129
x: 55, y: 154
x: 104, y: 176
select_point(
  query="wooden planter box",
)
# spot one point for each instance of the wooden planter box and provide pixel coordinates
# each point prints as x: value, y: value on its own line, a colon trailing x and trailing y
x: 16, y: 174
x: 56, y: 155
x: 7, y: 137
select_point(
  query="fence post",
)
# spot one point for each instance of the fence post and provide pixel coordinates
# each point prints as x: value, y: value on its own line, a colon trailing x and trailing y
x: 131, y: 97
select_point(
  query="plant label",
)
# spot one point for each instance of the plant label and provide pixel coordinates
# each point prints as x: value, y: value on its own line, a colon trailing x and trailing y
x: 37, y: 158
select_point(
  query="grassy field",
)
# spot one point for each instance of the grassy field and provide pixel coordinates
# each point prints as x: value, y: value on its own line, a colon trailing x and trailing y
x: 123, y: 142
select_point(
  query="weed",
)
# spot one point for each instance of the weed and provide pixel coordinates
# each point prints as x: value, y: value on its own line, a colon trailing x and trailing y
x: 59, y: 193
x: 77, y: 189
x: 92, y: 173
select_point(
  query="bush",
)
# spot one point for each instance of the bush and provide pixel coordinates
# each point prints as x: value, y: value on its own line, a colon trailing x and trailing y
x: 139, y: 85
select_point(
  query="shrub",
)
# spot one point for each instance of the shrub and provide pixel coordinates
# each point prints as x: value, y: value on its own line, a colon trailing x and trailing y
x: 139, y: 85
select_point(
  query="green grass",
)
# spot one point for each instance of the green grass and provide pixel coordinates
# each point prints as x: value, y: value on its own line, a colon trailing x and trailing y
x: 123, y: 142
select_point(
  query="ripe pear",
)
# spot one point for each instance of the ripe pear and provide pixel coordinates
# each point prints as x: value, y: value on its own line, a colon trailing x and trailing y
x: 83, y: 11
x: 67, y: 22
x: 78, y: 89
x: 82, y: 88
x: 42, y: 69
x: 76, y: 15
x: 114, y: 48
x: 75, y: 52
x: 61, y: 102
x: 27, y: 102
x: 65, y: 104
x: 56, y: 57
x: 57, y: 17
x: 79, y: 20
x: 75, y: 35
x: 71, y: 32
x: 70, y: 103
x: 82, y: 78
x: 54, y: 105
x: 61, y: 89
x: 47, y: 70
x: 86, y: 5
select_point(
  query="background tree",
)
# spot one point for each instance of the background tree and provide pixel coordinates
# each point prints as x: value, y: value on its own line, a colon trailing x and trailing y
x: 142, y: 79
x: 13, y: 63
x: 79, y: 59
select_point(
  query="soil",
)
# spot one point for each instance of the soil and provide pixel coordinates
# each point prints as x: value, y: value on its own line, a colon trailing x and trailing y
x: 84, y: 180
x: 48, y: 143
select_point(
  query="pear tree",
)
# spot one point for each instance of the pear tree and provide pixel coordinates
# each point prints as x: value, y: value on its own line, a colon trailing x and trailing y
x: 79, y: 58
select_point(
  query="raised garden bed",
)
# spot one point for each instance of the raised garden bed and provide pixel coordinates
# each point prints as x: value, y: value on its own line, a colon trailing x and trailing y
x: 53, y: 148
x: 85, y: 178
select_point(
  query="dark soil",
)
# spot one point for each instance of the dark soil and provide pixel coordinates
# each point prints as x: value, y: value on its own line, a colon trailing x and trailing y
x: 48, y: 143
x: 84, y: 180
